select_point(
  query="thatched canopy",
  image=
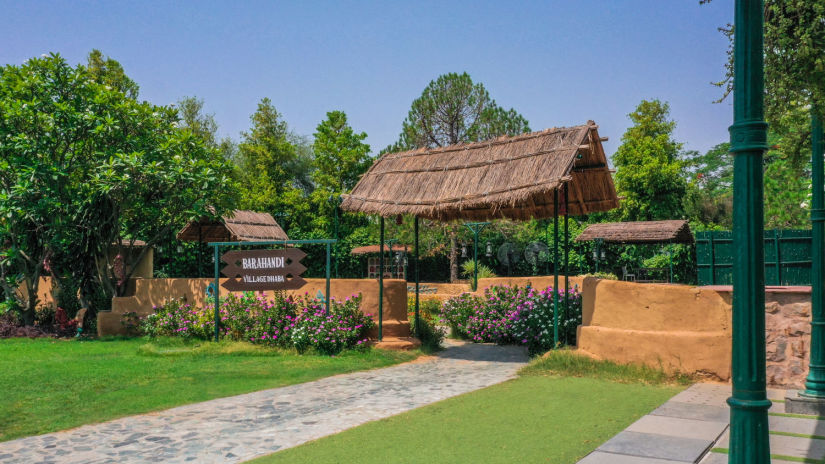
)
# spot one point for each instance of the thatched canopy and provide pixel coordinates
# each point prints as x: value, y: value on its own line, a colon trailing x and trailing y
x: 374, y: 249
x: 676, y: 231
x: 508, y: 177
x: 240, y: 226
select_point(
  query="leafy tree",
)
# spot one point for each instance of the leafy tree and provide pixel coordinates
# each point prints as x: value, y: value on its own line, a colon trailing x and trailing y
x: 274, y: 168
x: 107, y: 71
x: 192, y: 117
x: 82, y: 166
x: 453, y: 109
x: 648, y: 167
x: 709, y: 196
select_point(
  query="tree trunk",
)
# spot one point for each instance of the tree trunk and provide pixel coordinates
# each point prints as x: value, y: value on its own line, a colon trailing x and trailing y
x: 453, y: 255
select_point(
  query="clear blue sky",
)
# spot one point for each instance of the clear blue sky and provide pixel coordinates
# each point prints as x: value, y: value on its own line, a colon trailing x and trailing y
x: 557, y: 62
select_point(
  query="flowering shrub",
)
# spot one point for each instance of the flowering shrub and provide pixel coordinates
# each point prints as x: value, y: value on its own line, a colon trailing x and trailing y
x: 514, y: 315
x: 282, y: 321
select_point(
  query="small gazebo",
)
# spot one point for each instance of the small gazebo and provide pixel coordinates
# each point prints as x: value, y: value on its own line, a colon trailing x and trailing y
x: 536, y: 175
x: 638, y: 233
x: 238, y: 226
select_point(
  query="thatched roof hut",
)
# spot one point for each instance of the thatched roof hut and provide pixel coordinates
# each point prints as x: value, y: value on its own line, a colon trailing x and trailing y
x: 240, y: 226
x: 675, y: 231
x: 507, y: 177
x: 375, y: 249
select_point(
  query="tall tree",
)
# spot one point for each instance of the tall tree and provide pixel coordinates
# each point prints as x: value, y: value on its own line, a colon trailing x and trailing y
x: 107, y: 71
x: 192, y: 117
x: 341, y: 156
x: 648, y: 166
x: 274, y: 167
x: 453, y: 109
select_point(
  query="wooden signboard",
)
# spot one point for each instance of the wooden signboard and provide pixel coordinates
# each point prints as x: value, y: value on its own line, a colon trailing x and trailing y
x: 256, y: 270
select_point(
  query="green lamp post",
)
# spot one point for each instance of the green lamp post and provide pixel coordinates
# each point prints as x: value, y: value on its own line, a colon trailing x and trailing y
x: 815, y: 383
x: 476, y: 228
x: 748, y: 135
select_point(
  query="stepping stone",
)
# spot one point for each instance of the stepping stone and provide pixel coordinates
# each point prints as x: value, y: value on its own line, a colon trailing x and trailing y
x: 710, y: 394
x: 652, y: 445
x: 598, y: 457
x: 681, y: 428
x: 787, y: 446
x: 796, y: 425
x: 722, y: 458
x: 693, y: 411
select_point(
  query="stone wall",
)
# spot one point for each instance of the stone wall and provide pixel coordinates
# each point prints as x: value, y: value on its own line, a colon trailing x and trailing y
x: 688, y: 329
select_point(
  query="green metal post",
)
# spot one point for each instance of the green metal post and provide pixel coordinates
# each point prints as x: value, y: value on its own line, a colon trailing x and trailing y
x: 329, y: 252
x: 555, y: 268
x: 381, y: 283
x: 748, y: 404
x: 336, y: 231
x: 566, y: 261
x: 217, y: 292
x: 417, y: 264
x: 670, y: 264
x: 815, y: 382
x: 476, y: 228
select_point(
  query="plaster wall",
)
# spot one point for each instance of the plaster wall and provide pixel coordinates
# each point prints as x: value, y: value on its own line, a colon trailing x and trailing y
x: 688, y: 329
x: 154, y: 292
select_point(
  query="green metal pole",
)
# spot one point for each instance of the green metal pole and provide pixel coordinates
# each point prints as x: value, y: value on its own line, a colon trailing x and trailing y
x: 217, y: 292
x: 336, y: 237
x: 417, y: 264
x: 670, y: 264
x: 566, y: 261
x: 815, y: 382
x: 748, y: 404
x: 555, y: 268
x: 329, y: 252
x: 475, y: 258
x: 381, y: 283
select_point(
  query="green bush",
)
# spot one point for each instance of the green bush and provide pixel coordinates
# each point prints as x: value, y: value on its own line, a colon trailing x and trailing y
x: 484, y: 272
x: 603, y: 275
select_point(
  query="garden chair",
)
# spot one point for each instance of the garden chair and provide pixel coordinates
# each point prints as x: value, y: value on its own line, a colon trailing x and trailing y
x: 626, y: 276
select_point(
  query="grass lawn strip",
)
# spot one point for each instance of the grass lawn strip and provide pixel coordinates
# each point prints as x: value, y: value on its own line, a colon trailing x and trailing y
x: 539, y: 417
x: 50, y: 385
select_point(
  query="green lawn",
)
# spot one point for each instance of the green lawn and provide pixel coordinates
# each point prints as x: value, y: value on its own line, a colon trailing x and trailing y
x: 561, y: 408
x: 50, y: 385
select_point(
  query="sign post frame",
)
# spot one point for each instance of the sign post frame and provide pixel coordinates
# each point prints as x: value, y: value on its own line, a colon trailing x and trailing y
x: 217, y: 246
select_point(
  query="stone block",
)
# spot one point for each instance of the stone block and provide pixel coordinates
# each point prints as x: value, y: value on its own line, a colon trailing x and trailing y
x: 649, y: 445
x: 797, y: 404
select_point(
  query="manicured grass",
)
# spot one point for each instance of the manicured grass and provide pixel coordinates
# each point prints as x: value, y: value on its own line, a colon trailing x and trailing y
x: 50, y: 385
x: 548, y: 415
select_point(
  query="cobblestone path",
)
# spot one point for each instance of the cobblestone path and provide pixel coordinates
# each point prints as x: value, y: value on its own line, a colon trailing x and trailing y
x: 239, y: 428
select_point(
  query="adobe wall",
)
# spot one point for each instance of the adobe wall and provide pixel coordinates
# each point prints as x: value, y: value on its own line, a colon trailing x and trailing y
x: 155, y: 292
x: 688, y: 329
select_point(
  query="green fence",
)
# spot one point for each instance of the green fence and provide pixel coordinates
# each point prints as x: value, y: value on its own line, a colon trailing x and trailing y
x: 787, y: 257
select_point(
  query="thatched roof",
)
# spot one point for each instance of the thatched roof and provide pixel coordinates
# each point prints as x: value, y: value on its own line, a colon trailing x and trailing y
x: 374, y: 249
x: 508, y: 177
x: 676, y: 231
x: 240, y: 226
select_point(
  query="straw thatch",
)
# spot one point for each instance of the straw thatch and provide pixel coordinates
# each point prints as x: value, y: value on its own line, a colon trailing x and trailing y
x: 508, y: 177
x: 374, y: 249
x: 676, y: 231
x: 240, y: 226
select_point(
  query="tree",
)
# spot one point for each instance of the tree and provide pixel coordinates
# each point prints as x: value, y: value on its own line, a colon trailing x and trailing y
x: 341, y: 156
x: 453, y: 109
x: 107, y: 71
x: 192, y: 117
x: 82, y: 166
x: 648, y: 168
x: 709, y: 196
x: 274, y: 167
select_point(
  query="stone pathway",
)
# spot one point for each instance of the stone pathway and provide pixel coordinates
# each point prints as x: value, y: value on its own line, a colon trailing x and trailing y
x: 692, y: 423
x: 239, y: 428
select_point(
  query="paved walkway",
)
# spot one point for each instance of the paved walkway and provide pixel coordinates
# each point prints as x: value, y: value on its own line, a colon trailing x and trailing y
x: 239, y: 428
x: 694, y: 422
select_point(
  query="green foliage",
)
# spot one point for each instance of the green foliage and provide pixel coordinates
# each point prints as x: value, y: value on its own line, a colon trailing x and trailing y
x: 568, y: 363
x: 468, y: 268
x: 453, y: 109
x: 109, y: 72
x: 192, y: 117
x: 648, y: 168
x: 602, y: 275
